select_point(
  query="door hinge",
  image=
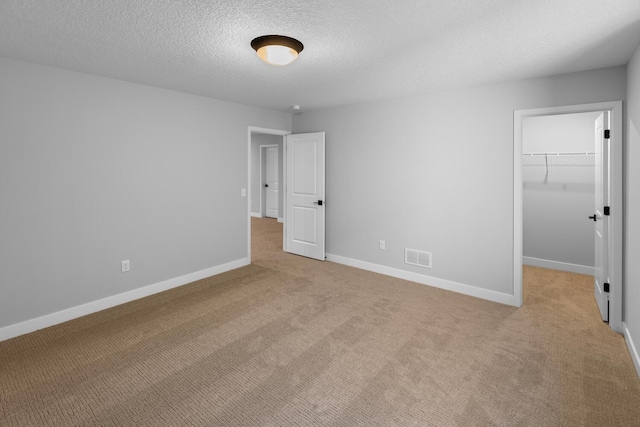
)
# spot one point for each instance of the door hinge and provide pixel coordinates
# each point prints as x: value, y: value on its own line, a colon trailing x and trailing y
x: 605, y: 287
x: 607, y: 134
x: 607, y: 210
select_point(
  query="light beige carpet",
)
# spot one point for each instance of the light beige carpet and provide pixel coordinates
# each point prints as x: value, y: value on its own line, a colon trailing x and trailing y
x: 289, y: 341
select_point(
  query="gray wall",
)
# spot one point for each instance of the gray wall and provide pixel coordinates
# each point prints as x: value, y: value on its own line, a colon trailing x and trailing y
x: 435, y: 172
x: 631, y: 293
x: 94, y: 171
x: 556, y: 206
x: 258, y: 139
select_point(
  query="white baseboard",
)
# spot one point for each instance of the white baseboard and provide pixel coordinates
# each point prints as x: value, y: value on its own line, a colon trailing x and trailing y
x: 632, y: 348
x: 556, y: 265
x: 45, y: 321
x: 280, y: 219
x: 461, y: 288
x: 256, y: 215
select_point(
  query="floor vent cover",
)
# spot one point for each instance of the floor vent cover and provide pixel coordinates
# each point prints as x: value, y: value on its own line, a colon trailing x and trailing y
x: 419, y: 258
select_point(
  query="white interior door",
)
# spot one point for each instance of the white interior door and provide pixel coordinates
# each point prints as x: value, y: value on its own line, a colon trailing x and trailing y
x: 305, y: 195
x: 272, y: 185
x: 601, y: 223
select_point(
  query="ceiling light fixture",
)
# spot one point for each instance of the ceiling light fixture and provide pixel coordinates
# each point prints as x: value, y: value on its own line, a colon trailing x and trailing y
x: 277, y: 50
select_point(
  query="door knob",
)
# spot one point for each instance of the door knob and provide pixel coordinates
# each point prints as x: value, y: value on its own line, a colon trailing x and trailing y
x: 266, y: 185
x: 319, y: 203
x: 594, y: 218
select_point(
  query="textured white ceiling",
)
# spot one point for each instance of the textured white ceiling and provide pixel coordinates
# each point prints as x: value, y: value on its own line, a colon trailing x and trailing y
x: 355, y: 50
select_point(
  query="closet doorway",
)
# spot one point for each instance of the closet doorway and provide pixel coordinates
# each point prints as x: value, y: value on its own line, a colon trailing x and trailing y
x: 558, y: 181
x: 556, y: 214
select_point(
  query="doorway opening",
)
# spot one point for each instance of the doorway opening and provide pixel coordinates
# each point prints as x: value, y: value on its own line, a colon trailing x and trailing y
x: 539, y: 185
x: 265, y: 151
x: 558, y: 179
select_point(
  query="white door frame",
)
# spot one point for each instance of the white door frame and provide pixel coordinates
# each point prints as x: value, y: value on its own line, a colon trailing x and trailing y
x: 615, y: 220
x: 263, y: 207
x: 251, y: 130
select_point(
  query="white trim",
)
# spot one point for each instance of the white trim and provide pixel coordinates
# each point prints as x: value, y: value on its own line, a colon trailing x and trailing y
x: 285, y: 144
x: 460, y: 288
x: 250, y: 130
x: 633, y: 351
x: 280, y: 219
x: 45, y: 321
x: 256, y: 215
x: 557, y: 265
x: 518, y: 209
x: 268, y: 131
x: 615, y: 220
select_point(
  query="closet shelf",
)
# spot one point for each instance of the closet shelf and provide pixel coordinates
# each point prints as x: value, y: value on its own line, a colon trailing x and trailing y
x: 560, y: 163
x: 582, y: 153
x: 577, y: 159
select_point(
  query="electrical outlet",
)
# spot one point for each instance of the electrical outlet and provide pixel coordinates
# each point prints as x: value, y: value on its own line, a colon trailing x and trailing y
x: 243, y: 192
x: 382, y: 245
x: 126, y: 266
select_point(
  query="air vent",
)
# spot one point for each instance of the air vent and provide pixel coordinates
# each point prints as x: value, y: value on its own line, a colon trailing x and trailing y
x: 419, y: 258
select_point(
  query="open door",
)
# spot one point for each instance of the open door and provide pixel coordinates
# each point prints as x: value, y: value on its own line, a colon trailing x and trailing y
x: 600, y: 218
x: 305, y: 195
